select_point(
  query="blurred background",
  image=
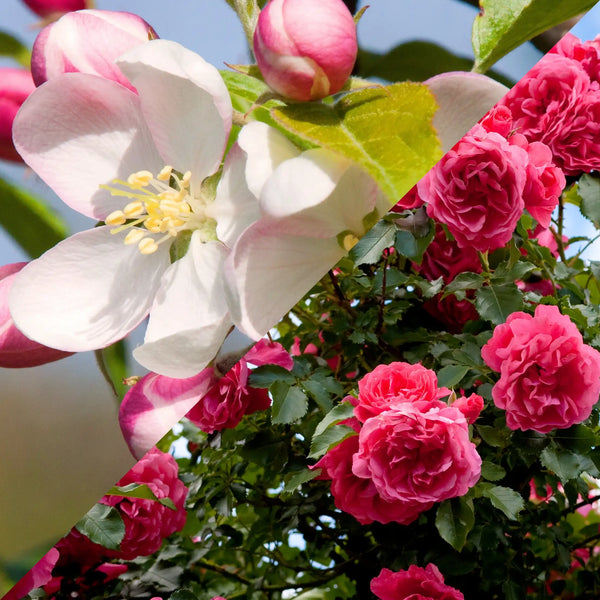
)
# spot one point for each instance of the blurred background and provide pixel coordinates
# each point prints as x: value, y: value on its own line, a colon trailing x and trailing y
x: 60, y: 446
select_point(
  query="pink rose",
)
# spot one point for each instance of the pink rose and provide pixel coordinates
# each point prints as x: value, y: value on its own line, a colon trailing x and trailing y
x: 476, y: 190
x: 355, y: 495
x: 410, y: 200
x: 305, y: 50
x: 548, y: 377
x: 15, y: 86
x: 557, y: 103
x: 88, y: 41
x: 388, y: 386
x: 417, y: 454
x: 587, y: 53
x: 414, y: 584
x: 469, y: 406
x: 147, y: 522
x: 15, y: 349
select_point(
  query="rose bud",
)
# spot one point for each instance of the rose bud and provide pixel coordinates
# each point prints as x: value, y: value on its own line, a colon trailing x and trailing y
x: 88, y: 41
x: 53, y: 8
x: 305, y: 49
x: 15, y: 349
x: 16, y: 84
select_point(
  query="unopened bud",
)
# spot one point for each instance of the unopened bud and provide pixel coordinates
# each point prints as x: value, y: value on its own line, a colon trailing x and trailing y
x: 88, y: 41
x: 305, y: 49
x: 15, y: 85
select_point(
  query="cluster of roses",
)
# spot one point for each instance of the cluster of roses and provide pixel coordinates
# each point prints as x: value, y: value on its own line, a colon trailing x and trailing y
x: 411, y: 449
x: 76, y: 564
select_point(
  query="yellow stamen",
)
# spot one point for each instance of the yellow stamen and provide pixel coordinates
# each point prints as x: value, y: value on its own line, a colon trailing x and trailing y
x: 147, y: 246
x: 134, y: 209
x: 140, y: 179
x: 165, y: 173
x: 115, y: 218
x: 134, y: 236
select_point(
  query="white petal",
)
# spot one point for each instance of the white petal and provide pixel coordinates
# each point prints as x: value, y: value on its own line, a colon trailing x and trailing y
x: 87, y: 292
x: 185, y: 102
x: 189, y: 318
x: 235, y: 206
x: 79, y: 131
x: 266, y: 149
x: 463, y: 99
x: 269, y: 272
x: 319, y: 194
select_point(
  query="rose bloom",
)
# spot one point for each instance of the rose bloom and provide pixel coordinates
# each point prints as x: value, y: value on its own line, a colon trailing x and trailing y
x: 147, y: 522
x: 355, y: 495
x: 388, y: 386
x: 548, y: 377
x: 450, y: 311
x: 415, y: 583
x: 418, y: 454
x: 557, y: 103
x: 476, y: 190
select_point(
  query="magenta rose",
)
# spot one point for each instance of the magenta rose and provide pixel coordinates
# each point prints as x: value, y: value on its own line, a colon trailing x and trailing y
x: 414, y: 584
x: 147, y: 522
x: 417, y: 454
x: 476, y: 190
x: 557, y: 103
x: 470, y: 406
x: 587, y: 53
x: 387, y: 386
x: 548, y: 377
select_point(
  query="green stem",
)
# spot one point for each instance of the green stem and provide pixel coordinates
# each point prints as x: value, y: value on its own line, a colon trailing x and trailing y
x: 247, y: 12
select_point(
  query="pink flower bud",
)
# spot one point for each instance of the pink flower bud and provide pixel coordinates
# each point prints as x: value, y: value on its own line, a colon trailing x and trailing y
x: 88, y: 41
x: 15, y: 349
x: 15, y: 85
x: 305, y: 49
x: 50, y: 8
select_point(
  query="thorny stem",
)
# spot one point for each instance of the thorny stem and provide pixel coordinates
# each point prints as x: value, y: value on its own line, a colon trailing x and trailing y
x: 379, y: 325
x: 338, y: 293
x: 560, y: 225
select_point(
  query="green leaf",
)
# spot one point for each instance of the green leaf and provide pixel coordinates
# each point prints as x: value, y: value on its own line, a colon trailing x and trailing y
x: 464, y: 281
x: 589, y: 191
x: 503, y: 498
x: 450, y: 375
x: 406, y: 243
x: 266, y: 375
x: 387, y: 130
x: 454, y: 519
x: 289, y: 403
x: 369, y: 248
x: 497, y: 438
x: 416, y: 60
x: 114, y: 366
x: 139, y: 490
x: 566, y: 464
x: 502, y: 25
x: 492, y: 471
x: 338, y: 413
x: 103, y: 525
x: 13, y: 48
x: 298, y: 478
x: 321, y: 443
x: 28, y: 220
x: 496, y: 302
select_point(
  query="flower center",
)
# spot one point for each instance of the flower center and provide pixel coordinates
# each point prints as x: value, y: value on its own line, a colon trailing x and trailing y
x: 159, y: 204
